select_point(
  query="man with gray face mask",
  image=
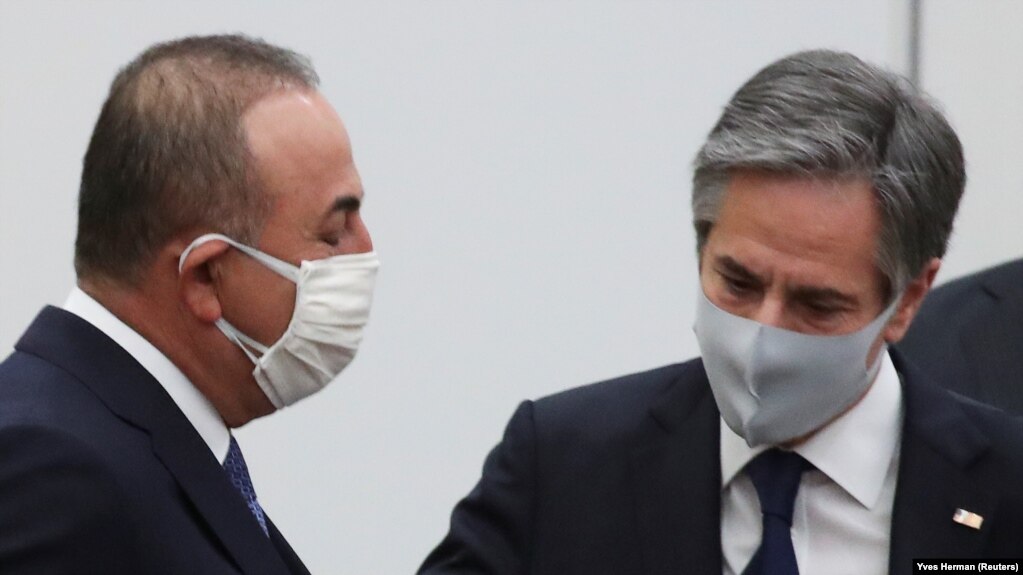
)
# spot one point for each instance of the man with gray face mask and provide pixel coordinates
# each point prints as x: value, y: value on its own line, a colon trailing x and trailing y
x: 224, y: 272
x: 799, y: 443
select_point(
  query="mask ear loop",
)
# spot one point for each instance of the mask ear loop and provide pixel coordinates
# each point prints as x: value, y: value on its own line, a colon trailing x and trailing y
x: 883, y: 319
x: 278, y: 266
x: 241, y: 340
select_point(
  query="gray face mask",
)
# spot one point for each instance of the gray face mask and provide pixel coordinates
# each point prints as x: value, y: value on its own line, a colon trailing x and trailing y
x: 773, y: 385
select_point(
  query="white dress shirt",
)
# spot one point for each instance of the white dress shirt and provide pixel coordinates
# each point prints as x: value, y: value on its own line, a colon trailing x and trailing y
x: 199, y: 411
x: 842, y: 518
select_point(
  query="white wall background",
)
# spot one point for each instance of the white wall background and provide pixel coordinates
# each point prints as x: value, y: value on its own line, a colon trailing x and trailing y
x: 527, y: 176
x: 971, y: 53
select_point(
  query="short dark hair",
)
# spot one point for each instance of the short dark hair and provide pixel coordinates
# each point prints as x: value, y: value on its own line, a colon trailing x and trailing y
x: 169, y: 151
x: 829, y: 114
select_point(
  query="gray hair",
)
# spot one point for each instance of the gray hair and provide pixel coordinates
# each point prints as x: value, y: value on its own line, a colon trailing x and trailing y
x: 169, y: 151
x: 829, y: 114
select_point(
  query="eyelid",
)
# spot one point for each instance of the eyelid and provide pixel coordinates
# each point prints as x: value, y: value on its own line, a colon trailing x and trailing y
x: 734, y: 282
x: 829, y: 308
x: 740, y: 282
x: 331, y: 237
x: 332, y: 231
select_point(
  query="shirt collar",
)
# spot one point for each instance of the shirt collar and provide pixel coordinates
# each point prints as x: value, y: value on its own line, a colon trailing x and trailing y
x: 855, y: 450
x: 197, y: 409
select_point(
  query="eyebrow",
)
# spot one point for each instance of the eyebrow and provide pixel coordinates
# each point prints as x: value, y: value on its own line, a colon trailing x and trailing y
x: 830, y: 295
x: 805, y: 293
x: 345, y: 204
x: 738, y: 270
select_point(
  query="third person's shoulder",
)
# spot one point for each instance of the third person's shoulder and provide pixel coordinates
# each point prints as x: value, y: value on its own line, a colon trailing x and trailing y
x: 611, y: 406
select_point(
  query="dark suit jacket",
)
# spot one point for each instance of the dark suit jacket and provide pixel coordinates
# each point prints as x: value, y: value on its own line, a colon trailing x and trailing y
x: 100, y: 472
x: 624, y: 477
x: 968, y: 336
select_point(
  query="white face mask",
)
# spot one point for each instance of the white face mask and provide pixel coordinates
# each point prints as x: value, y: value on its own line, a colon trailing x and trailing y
x: 332, y: 301
x: 773, y: 385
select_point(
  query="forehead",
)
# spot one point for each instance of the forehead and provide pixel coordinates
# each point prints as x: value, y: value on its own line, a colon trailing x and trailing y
x: 814, y: 231
x: 289, y: 117
x: 301, y: 150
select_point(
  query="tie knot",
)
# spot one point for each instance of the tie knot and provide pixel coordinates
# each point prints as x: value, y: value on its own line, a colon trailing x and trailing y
x: 776, y: 474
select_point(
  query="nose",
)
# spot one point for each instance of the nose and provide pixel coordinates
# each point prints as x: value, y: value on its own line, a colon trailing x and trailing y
x: 771, y: 311
x: 361, y: 240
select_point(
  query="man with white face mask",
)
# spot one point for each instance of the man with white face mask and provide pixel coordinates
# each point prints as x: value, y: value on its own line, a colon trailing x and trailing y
x: 224, y: 272
x: 799, y: 443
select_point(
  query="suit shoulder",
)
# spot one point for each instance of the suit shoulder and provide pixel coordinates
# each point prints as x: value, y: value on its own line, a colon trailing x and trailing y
x: 610, y: 405
x: 958, y: 293
x: 1008, y: 272
x: 29, y: 447
x: 634, y: 387
x: 36, y: 394
x: 31, y: 388
x: 23, y: 374
x: 958, y: 298
x: 934, y: 333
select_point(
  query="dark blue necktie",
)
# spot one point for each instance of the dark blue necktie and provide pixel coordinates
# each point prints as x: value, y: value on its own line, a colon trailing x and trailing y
x: 776, y: 474
x: 238, y: 472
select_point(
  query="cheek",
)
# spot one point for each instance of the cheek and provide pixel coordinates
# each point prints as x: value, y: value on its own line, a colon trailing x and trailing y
x: 714, y: 290
x: 712, y: 284
x: 717, y: 290
x: 260, y: 303
x: 279, y: 305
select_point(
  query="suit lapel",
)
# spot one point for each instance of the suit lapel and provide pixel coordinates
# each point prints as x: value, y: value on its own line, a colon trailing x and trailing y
x: 676, y: 474
x: 287, y: 553
x: 940, y: 446
x: 221, y: 506
x: 131, y: 393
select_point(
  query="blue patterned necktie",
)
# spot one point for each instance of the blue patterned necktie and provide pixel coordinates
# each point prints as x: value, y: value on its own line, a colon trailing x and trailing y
x: 238, y: 473
x: 776, y: 474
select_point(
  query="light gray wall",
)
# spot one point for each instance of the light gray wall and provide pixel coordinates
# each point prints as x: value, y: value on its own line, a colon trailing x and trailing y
x: 527, y: 176
x: 971, y: 54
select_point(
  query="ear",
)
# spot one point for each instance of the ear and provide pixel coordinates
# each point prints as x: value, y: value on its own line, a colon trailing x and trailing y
x: 197, y: 287
x: 910, y: 302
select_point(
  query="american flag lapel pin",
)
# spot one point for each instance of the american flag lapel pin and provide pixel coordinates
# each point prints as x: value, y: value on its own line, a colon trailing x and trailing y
x: 967, y: 518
